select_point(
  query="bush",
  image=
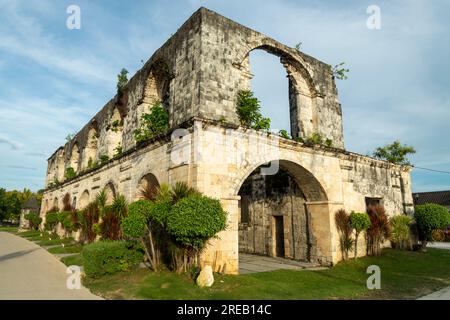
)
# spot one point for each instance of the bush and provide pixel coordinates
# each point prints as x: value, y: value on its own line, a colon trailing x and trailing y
x: 51, y: 219
x: 430, y: 217
x: 359, y: 221
x: 400, y: 226
x: 154, y: 123
x: 88, y: 218
x: 34, y: 220
x: 196, y: 219
x: 110, y: 225
x: 108, y: 257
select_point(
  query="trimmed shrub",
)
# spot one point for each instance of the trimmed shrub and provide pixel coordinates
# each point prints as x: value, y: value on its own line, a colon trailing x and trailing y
x: 51, y: 220
x: 34, y: 220
x: 359, y: 221
x: 400, y: 226
x: 430, y: 217
x: 196, y: 219
x: 108, y: 257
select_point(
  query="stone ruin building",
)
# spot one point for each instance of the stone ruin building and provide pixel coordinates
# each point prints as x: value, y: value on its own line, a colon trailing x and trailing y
x: 280, y: 194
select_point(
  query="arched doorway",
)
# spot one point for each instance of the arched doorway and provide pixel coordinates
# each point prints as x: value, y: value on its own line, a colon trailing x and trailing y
x: 274, y: 218
x: 90, y: 150
x: 147, y: 187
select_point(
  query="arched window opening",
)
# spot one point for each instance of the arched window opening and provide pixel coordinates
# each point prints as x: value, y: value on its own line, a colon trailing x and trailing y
x: 74, y: 158
x: 110, y: 191
x: 270, y: 85
x: 90, y: 151
x: 84, y: 200
x: 114, y: 132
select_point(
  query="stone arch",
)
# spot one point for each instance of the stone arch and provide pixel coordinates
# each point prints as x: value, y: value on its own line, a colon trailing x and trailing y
x: 147, y: 186
x: 274, y: 212
x: 110, y: 191
x: 114, y: 132
x: 310, y: 185
x: 156, y: 89
x: 91, y: 147
x: 84, y: 199
x: 302, y: 90
x: 74, y: 157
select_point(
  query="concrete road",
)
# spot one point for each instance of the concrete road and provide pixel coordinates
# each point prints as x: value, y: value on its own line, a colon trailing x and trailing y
x: 29, y: 272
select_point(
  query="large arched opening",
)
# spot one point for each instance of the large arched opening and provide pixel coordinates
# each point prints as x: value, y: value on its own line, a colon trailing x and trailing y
x: 147, y: 187
x: 90, y: 150
x: 289, y: 104
x: 274, y: 216
x: 74, y: 157
x: 84, y: 200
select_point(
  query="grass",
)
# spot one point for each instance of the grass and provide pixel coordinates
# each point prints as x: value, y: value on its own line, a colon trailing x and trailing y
x: 9, y: 229
x: 72, y: 260
x: 404, y: 275
x: 76, y: 248
x: 56, y: 241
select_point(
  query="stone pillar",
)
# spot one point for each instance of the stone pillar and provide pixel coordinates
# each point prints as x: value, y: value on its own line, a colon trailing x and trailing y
x: 222, y: 253
x: 321, y: 232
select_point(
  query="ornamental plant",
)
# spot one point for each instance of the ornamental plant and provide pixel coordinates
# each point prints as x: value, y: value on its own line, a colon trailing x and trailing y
x: 192, y: 222
x: 342, y: 220
x: 430, y: 217
x: 51, y: 220
x: 400, y: 225
x: 360, y: 222
x: 379, y: 229
x: 34, y: 220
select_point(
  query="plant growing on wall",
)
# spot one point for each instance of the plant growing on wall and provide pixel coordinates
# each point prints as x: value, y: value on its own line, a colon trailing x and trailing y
x: 359, y: 221
x: 118, y: 150
x: 122, y: 80
x: 152, y: 124
x: 342, y: 220
x: 116, y: 126
x: 340, y: 72
x: 70, y: 173
x: 395, y: 153
x: 104, y: 158
x: 379, y: 230
x: 284, y: 134
x: 248, y: 110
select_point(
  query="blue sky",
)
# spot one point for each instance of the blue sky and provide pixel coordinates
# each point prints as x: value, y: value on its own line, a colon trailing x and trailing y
x: 53, y: 80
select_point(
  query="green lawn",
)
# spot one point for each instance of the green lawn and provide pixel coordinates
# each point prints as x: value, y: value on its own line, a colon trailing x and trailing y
x: 55, y: 241
x: 76, y: 248
x: 72, y: 260
x: 404, y: 275
x: 9, y: 229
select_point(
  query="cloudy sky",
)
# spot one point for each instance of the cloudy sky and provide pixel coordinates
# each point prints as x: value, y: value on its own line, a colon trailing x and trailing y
x: 53, y: 80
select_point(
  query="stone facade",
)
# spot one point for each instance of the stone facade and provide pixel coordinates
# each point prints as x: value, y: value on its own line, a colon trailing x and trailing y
x: 196, y: 75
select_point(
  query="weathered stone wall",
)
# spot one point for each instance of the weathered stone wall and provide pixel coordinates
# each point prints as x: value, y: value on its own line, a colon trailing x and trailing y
x: 196, y: 75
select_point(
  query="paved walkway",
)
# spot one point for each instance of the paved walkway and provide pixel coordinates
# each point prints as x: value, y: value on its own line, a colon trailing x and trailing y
x: 439, y: 245
x: 249, y: 263
x: 29, y: 272
x: 443, y: 294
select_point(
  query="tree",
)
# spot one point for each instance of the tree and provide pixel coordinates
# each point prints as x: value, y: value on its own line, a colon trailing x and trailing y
x: 430, y: 217
x: 359, y: 221
x: 395, y: 153
x: 154, y: 123
x: 342, y: 220
x: 3, y: 204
